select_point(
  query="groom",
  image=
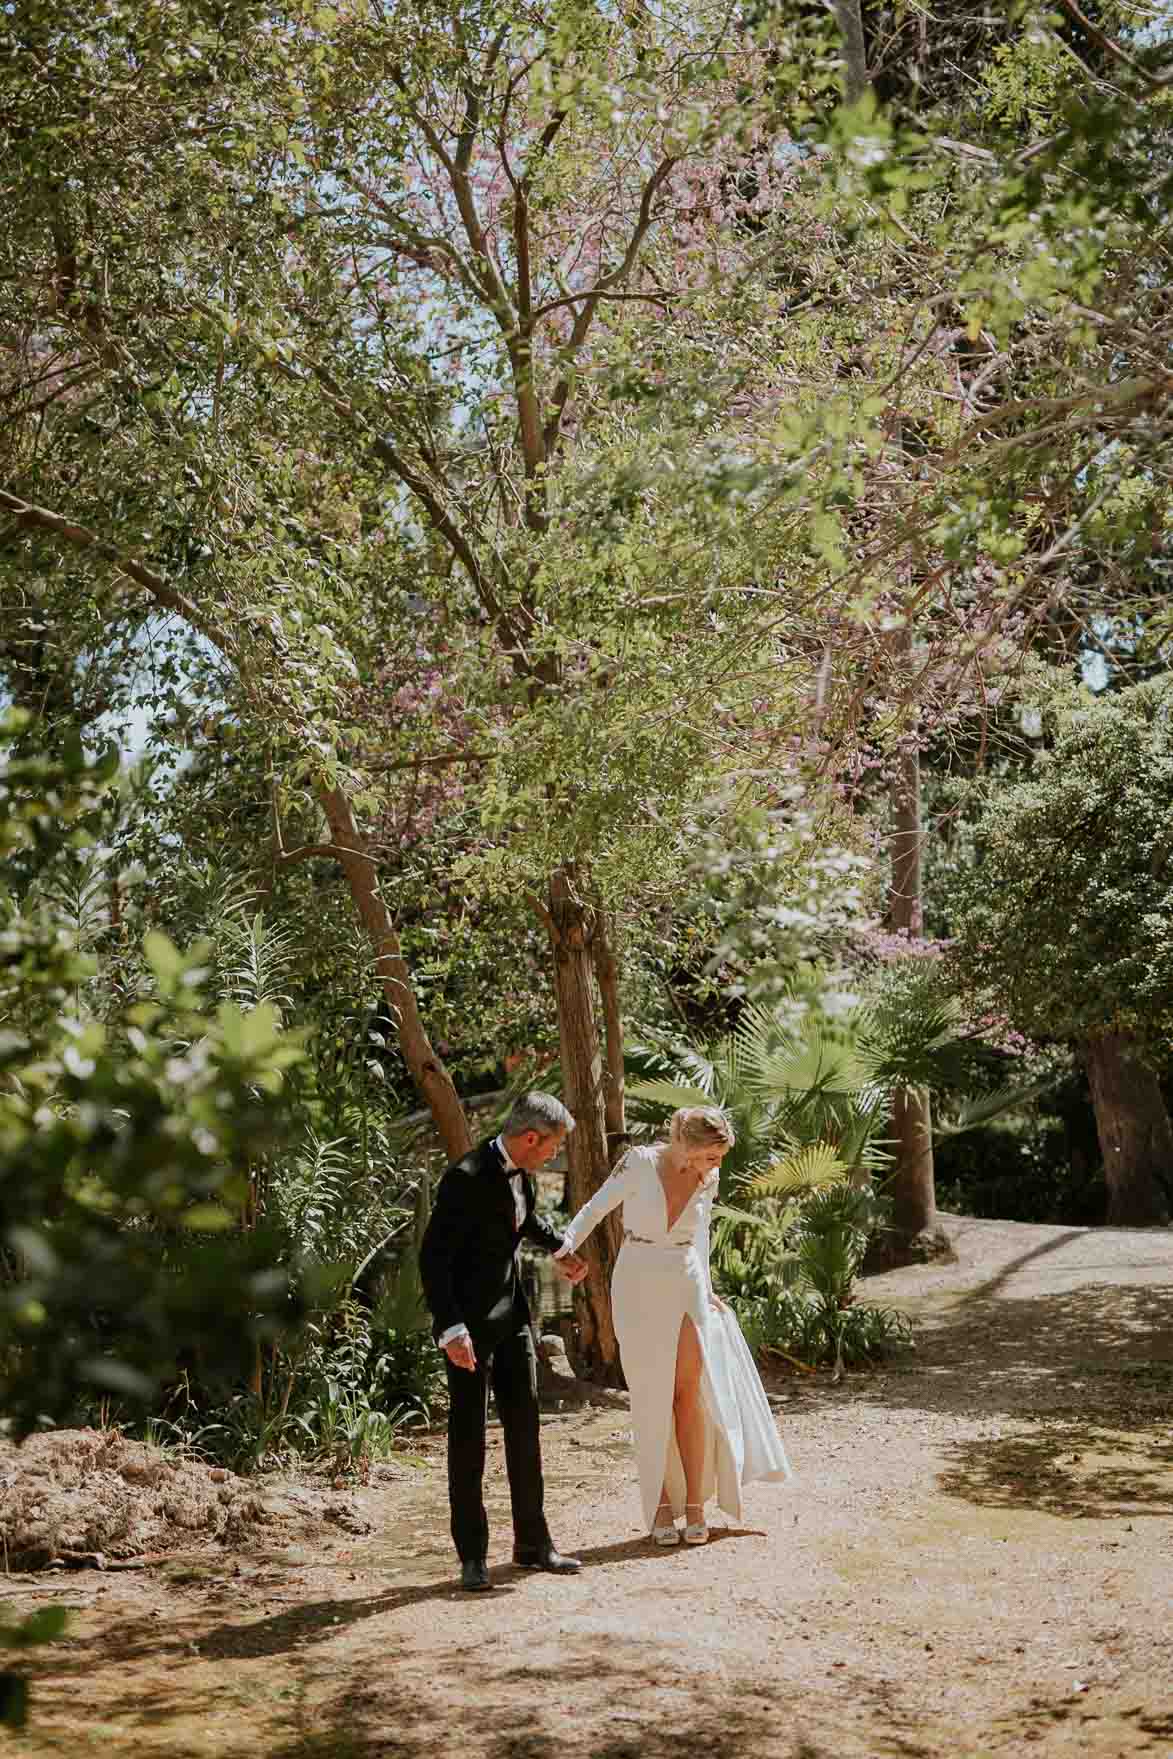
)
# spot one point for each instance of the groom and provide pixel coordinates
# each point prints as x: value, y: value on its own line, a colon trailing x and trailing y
x: 481, y: 1320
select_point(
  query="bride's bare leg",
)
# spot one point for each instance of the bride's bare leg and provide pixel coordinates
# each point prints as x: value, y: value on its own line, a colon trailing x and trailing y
x: 688, y: 1410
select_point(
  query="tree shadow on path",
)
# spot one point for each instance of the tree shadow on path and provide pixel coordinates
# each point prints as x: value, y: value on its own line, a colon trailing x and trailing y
x: 1082, y: 1376
x: 316, y: 1620
x: 600, y: 1700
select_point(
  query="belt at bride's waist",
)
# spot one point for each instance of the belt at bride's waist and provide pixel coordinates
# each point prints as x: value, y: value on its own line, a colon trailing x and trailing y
x: 664, y: 1245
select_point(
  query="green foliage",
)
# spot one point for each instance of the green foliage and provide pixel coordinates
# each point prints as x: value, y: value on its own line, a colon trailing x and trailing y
x: 790, y: 1270
x: 125, y: 1150
x: 1064, y: 923
x: 808, y: 1082
x: 1036, y: 1163
x: 380, y: 1376
x: 523, y: 594
x: 344, y: 1393
x: 805, y: 1332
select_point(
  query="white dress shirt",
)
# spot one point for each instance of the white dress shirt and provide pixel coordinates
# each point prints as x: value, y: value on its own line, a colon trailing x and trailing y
x: 517, y: 1185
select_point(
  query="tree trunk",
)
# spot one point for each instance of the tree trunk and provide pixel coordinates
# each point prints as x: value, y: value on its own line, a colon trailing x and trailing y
x: 428, y: 1072
x: 1136, y: 1139
x: 915, y: 1233
x: 571, y: 924
x: 856, y: 80
x: 914, y: 1208
x: 607, y: 976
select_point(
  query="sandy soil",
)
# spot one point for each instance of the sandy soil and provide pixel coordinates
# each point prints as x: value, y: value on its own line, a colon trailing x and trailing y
x: 976, y: 1559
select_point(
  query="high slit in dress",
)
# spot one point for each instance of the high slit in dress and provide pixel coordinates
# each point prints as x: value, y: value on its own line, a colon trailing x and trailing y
x: 662, y: 1276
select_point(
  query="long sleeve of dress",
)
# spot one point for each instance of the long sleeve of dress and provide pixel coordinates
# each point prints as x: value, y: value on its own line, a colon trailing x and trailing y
x: 704, y: 1211
x: 609, y: 1195
x: 542, y: 1234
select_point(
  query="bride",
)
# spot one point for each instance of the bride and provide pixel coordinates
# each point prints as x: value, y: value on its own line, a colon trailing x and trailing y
x: 702, y: 1424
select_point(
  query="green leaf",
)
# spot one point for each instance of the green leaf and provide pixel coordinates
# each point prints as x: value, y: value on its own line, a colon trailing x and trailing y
x: 670, y: 1094
x: 810, y: 1168
x: 44, y: 1625
x: 207, y: 1218
x: 163, y: 957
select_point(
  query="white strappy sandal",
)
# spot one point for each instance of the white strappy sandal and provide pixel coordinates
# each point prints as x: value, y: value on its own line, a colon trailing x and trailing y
x: 696, y: 1532
x: 664, y: 1532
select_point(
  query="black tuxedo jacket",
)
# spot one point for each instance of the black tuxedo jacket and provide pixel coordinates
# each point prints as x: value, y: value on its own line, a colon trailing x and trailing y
x: 469, y: 1262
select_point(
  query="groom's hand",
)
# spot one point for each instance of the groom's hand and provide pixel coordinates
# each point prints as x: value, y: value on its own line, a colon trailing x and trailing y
x: 460, y: 1353
x: 572, y: 1268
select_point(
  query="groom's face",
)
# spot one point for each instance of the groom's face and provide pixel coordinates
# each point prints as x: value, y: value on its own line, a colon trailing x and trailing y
x: 531, y: 1151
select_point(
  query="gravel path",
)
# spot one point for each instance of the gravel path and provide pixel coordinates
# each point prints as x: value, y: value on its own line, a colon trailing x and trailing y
x: 976, y: 1559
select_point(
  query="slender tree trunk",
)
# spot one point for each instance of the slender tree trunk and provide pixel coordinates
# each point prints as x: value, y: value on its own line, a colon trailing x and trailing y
x: 915, y: 1233
x: 428, y: 1072
x: 849, y: 18
x: 571, y: 924
x: 912, y: 1187
x: 1136, y: 1139
x: 607, y: 976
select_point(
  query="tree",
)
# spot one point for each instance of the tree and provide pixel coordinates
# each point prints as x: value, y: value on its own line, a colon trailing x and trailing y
x: 1062, y: 78
x: 124, y: 1149
x: 474, y: 194
x: 1064, y: 923
x: 526, y: 336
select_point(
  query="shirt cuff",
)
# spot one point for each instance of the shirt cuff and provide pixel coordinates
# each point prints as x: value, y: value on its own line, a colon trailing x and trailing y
x: 565, y: 1248
x: 450, y: 1336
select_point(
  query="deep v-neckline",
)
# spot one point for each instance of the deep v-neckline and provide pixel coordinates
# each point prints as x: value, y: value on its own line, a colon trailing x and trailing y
x: 669, y: 1224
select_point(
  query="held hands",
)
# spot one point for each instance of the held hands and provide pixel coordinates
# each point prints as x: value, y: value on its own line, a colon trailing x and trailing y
x: 571, y: 1268
x: 460, y: 1353
x: 717, y: 1304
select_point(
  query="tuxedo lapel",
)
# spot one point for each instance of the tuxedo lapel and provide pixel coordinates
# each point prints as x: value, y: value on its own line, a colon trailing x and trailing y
x: 497, y: 1179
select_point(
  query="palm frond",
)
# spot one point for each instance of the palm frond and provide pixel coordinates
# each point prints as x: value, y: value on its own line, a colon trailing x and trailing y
x: 903, y: 1046
x: 982, y: 1110
x: 670, y: 1095
x: 806, y: 1168
x: 659, y: 1054
x: 743, y: 1218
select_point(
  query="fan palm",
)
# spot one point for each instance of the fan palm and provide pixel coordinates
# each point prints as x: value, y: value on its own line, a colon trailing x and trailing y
x: 800, y: 1101
x: 795, y: 1084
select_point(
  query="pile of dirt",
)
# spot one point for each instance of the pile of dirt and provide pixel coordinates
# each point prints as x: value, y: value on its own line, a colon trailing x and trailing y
x: 93, y: 1496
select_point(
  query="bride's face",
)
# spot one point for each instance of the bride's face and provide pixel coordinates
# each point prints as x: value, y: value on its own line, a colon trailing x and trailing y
x: 702, y: 1160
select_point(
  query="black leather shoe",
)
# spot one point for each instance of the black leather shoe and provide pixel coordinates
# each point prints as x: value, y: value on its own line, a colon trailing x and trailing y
x: 544, y: 1557
x: 474, y: 1576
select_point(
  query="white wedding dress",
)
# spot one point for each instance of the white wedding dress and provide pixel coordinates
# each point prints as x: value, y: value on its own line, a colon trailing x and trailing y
x: 661, y: 1275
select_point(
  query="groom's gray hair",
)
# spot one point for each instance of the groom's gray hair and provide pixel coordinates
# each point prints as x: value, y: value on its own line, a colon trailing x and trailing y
x: 540, y: 1112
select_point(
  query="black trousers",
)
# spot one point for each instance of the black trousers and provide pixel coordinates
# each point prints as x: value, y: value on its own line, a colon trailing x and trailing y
x: 513, y: 1371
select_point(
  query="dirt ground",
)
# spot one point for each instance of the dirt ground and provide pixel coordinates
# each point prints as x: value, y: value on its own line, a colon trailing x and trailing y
x: 976, y: 1558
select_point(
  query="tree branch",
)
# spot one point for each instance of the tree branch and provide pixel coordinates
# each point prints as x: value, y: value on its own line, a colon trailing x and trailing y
x: 322, y: 851
x: 603, y: 293
x: 419, y: 486
x: 1110, y: 47
x: 428, y: 763
x: 456, y: 170
x: 308, y: 851
x: 583, y: 321
x: 80, y: 537
x: 551, y: 926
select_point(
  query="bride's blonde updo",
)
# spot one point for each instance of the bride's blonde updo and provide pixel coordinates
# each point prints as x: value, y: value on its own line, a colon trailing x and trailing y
x: 700, y: 1126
